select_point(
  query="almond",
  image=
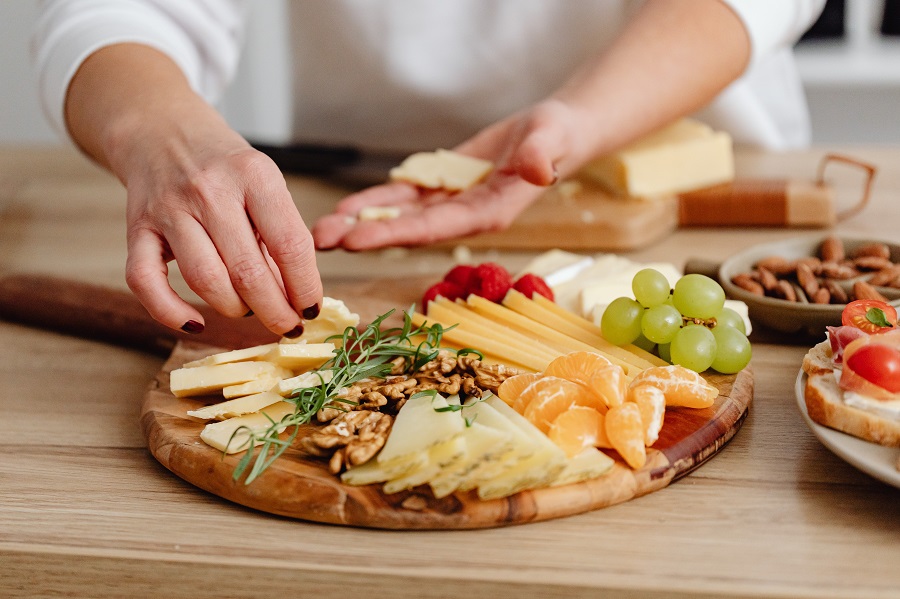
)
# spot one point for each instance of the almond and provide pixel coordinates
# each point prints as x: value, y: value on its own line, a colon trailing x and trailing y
x: 777, y: 265
x: 746, y: 282
x: 838, y: 295
x: 807, y: 280
x: 885, y: 276
x: 822, y: 296
x: 872, y: 263
x: 877, y: 250
x: 768, y: 280
x: 864, y: 291
x: 833, y: 270
x: 786, y: 291
x: 832, y: 249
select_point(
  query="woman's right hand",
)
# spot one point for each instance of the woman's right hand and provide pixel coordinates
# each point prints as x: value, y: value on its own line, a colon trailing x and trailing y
x: 198, y: 193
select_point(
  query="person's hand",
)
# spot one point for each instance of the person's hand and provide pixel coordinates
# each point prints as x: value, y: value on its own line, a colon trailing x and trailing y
x: 529, y: 150
x: 203, y: 197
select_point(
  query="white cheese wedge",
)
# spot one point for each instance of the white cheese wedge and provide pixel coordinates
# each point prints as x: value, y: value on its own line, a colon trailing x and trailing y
x: 378, y: 213
x: 316, y: 378
x: 604, y: 289
x: 442, y: 169
x: 237, y: 430
x: 263, y: 383
x: 590, y: 463
x: 236, y: 407
x: 365, y: 474
x: 684, y: 156
x: 333, y: 319
x: 418, y: 427
x: 300, y: 357
x: 201, y: 380
x: 257, y: 352
x: 483, y: 446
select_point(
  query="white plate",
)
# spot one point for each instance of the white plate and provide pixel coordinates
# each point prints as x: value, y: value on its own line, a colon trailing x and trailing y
x: 873, y: 459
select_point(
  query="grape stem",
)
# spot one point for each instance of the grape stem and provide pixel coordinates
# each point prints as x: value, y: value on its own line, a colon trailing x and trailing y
x: 709, y: 323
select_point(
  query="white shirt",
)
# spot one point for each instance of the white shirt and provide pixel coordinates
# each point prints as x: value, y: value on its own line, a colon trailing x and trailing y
x: 407, y: 75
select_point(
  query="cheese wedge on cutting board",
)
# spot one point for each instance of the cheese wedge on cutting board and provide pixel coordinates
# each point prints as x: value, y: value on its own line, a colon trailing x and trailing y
x: 683, y: 156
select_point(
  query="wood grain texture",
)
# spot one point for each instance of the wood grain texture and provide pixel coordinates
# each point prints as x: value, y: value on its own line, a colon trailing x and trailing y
x: 299, y: 486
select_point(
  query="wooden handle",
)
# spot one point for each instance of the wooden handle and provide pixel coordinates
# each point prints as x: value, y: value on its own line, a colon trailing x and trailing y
x: 112, y: 315
x: 764, y: 203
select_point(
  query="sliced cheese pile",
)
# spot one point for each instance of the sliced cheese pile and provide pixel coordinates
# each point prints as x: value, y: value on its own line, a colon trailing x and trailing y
x: 485, y: 446
x: 442, y: 169
x: 684, y: 156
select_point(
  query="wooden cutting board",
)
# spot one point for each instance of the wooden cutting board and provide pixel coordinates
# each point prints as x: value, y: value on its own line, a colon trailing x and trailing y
x: 298, y: 486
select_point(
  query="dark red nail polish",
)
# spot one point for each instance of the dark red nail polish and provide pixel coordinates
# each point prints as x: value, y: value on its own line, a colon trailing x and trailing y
x: 249, y: 313
x: 295, y: 332
x: 192, y: 327
x: 311, y: 312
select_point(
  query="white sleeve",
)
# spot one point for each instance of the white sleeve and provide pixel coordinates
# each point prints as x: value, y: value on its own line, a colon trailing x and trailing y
x: 775, y: 24
x: 203, y: 37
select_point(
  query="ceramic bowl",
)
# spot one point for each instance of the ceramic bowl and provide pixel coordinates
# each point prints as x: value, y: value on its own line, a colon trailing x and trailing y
x: 794, y: 317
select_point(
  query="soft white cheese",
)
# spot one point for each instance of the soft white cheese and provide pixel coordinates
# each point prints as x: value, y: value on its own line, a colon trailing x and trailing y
x: 889, y: 409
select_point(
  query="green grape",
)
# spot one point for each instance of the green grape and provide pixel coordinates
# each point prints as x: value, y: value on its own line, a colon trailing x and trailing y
x: 664, y: 351
x: 650, y: 287
x: 661, y: 323
x: 732, y: 350
x: 621, y: 321
x: 694, y: 347
x: 698, y: 296
x: 729, y: 318
x: 644, y: 343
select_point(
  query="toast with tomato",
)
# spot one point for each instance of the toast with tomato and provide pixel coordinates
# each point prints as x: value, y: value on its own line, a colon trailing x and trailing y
x: 853, y: 377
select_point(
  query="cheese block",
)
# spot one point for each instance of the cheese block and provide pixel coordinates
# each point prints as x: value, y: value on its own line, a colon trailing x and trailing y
x: 236, y: 407
x: 264, y: 383
x: 333, y: 319
x: 442, y: 169
x: 683, y: 156
x: 257, y: 352
x: 200, y: 380
x: 300, y: 357
x: 237, y: 430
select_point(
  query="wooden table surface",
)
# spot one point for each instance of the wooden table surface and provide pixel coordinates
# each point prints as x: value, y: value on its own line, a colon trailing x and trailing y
x: 85, y: 510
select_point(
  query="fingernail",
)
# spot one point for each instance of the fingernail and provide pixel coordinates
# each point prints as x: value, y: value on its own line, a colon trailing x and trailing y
x: 555, y: 177
x: 192, y: 327
x: 311, y: 312
x: 249, y: 313
x: 295, y: 332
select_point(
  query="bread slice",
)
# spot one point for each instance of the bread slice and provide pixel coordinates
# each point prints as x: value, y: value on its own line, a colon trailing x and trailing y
x: 818, y: 359
x: 825, y: 406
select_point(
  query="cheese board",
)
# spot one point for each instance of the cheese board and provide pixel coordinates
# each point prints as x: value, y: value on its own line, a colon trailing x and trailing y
x: 300, y: 486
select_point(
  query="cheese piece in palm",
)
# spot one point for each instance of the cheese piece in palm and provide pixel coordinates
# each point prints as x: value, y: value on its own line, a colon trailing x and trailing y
x: 233, y: 435
x: 247, y: 404
x: 301, y: 357
x: 264, y: 383
x: 417, y: 428
x: 588, y: 464
x: 333, y: 319
x: 257, y: 352
x: 442, y: 169
x: 201, y: 380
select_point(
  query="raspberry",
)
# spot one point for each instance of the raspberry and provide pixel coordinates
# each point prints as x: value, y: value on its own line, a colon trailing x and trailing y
x: 529, y: 284
x: 446, y: 289
x: 491, y: 281
x: 461, y: 275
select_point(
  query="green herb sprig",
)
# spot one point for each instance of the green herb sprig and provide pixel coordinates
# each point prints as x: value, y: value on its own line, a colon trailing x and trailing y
x: 360, y: 355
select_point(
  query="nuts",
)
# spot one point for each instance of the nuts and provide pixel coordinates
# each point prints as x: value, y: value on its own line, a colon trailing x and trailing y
x: 351, y: 439
x: 825, y: 278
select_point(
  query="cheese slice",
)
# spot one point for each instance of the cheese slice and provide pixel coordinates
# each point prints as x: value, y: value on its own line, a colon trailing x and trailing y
x: 590, y: 463
x: 683, y: 156
x: 314, y: 378
x: 301, y: 357
x: 236, y: 407
x: 257, y: 352
x: 442, y: 169
x: 378, y: 213
x: 201, y: 380
x: 233, y: 435
x: 263, y: 383
x: 333, y: 319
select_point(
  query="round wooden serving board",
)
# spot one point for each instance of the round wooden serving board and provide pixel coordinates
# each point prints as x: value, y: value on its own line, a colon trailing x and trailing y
x: 299, y: 486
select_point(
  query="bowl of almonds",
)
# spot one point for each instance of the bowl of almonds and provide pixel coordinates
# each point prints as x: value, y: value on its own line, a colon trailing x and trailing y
x: 803, y: 284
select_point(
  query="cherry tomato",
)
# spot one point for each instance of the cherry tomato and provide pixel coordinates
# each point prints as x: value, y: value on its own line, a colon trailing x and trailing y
x: 878, y: 364
x: 871, y: 316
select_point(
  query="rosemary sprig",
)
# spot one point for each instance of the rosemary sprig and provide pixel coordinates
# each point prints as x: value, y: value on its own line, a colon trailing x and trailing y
x: 360, y: 355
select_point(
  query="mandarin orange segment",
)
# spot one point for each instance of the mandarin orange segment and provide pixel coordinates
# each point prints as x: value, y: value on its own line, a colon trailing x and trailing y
x: 577, y: 428
x: 682, y: 387
x: 577, y: 366
x: 609, y: 384
x: 510, y: 389
x: 652, y: 403
x: 550, y: 396
x: 625, y: 432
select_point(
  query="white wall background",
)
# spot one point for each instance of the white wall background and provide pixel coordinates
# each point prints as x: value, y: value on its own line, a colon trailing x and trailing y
x: 854, y: 90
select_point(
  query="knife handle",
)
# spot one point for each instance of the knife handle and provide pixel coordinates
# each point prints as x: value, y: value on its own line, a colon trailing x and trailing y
x: 111, y: 315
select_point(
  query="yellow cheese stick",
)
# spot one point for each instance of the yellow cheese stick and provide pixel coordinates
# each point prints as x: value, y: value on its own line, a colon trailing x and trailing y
x: 591, y: 327
x: 535, y: 329
x: 513, y: 356
x: 521, y: 304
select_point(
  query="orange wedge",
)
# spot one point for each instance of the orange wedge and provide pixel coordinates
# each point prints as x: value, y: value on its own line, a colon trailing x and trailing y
x: 577, y: 428
x: 609, y: 384
x: 510, y: 389
x: 550, y: 396
x: 682, y: 387
x: 626, y: 434
x: 652, y: 403
x: 577, y: 366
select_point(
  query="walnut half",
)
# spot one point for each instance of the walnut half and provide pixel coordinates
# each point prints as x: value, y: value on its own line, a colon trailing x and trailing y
x: 351, y: 439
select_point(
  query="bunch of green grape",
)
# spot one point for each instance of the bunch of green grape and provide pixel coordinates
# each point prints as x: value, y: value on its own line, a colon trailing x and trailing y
x: 688, y: 325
